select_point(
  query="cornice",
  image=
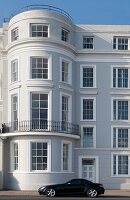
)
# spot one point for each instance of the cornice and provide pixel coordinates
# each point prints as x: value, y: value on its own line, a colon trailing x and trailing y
x: 66, y: 87
x: 116, y: 91
x: 40, y: 83
x: 112, y: 150
x: 14, y: 86
x: 16, y: 134
x: 41, y: 42
x: 88, y: 91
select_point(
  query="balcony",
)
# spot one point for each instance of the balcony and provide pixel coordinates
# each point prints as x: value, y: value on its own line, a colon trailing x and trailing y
x: 40, y: 126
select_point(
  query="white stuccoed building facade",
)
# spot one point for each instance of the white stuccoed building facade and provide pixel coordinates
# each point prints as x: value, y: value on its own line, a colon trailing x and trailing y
x: 64, y: 101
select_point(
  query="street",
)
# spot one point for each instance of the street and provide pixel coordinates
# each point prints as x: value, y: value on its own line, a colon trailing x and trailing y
x: 37, y: 197
x: 33, y: 195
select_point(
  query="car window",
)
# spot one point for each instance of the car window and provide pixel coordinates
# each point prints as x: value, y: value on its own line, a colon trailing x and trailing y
x: 87, y: 182
x: 75, y: 182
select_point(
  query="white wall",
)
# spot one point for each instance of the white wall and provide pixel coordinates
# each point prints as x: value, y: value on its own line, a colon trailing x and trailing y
x: 1, y: 164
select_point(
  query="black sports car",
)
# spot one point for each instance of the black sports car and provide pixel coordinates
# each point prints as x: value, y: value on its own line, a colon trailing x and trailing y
x: 73, y: 187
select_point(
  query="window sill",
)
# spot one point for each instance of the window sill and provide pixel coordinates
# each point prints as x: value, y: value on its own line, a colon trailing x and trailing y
x: 120, y: 176
x: 39, y: 172
x: 88, y: 120
x: 15, y: 82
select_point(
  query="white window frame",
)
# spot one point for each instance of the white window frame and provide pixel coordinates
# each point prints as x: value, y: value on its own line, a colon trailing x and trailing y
x: 118, y: 67
x: 69, y: 70
x: 42, y: 24
x: 67, y: 31
x: 46, y: 56
x: 29, y: 101
x: 81, y: 75
x: 92, y: 37
x: 94, y: 108
x: 49, y: 103
x: 14, y: 34
x: 119, y: 127
x: 17, y: 71
x: 14, y: 92
x: 69, y: 156
x: 120, y: 99
x: 13, y: 95
x: 94, y: 135
x: 123, y: 153
x: 120, y: 37
x: 69, y: 106
x: 48, y: 154
x: 31, y: 63
x: 12, y: 155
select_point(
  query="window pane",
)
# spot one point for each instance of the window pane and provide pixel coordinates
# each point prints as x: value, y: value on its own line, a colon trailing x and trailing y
x: 15, y: 34
x: 123, y: 110
x: 39, y: 30
x: 39, y: 111
x: 65, y: 156
x: 114, y: 165
x: 87, y: 108
x: 39, y: 156
x: 16, y: 159
x: 87, y: 77
x: 122, y: 138
x: 14, y: 70
x: 14, y: 112
x: 64, y: 35
x: 114, y: 137
x: 122, y: 165
x: 88, y: 137
x: 87, y: 42
x: 65, y: 71
x: 39, y: 68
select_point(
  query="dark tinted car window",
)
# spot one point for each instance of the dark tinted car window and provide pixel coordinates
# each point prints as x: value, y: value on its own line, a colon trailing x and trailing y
x: 87, y: 182
x: 75, y: 182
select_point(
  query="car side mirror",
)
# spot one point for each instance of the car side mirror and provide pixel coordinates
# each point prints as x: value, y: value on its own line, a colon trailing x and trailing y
x: 68, y: 183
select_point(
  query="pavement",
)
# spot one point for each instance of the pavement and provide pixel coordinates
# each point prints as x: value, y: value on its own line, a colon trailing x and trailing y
x: 116, y: 193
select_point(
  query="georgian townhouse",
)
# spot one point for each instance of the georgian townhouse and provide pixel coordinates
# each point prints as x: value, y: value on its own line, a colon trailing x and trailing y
x: 64, y: 101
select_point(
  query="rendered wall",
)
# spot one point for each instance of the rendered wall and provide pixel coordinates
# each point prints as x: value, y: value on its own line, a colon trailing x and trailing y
x: 1, y: 165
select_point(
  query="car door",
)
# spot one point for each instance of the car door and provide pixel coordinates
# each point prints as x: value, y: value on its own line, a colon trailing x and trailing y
x: 74, y: 187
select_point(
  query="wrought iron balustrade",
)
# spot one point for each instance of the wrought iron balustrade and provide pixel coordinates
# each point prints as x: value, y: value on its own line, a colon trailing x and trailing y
x: 40, y: 126
x: 40, y: 7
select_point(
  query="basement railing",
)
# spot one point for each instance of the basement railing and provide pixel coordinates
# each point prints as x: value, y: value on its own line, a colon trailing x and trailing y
x: 40, y: 126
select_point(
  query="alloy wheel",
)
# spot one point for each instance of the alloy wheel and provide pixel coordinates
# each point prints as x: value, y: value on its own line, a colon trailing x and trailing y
x: 51, y: 192
x: 92, y: 193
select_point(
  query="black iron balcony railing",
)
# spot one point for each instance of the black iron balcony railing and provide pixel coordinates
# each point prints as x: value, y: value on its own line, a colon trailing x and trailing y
x: 40, y: 7
x: 40, y: 126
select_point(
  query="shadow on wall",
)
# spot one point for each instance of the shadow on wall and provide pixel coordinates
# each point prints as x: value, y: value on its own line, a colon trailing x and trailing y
x: 1, y: 180
x: 11, y: 183
x: 102, y: 39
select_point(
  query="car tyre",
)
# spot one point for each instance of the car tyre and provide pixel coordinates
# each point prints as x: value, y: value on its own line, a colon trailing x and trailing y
x: 92, y: 192
x: 51, y: 192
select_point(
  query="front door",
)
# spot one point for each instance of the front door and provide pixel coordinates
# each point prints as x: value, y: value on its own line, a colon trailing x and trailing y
x: 88, y: 170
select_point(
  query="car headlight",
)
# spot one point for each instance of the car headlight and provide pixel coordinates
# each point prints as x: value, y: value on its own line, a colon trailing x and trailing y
x: 42, y: 188
x: 101, y: 185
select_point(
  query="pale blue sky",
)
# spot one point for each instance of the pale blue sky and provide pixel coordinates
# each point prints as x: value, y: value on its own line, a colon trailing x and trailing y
x: 82, y: 11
